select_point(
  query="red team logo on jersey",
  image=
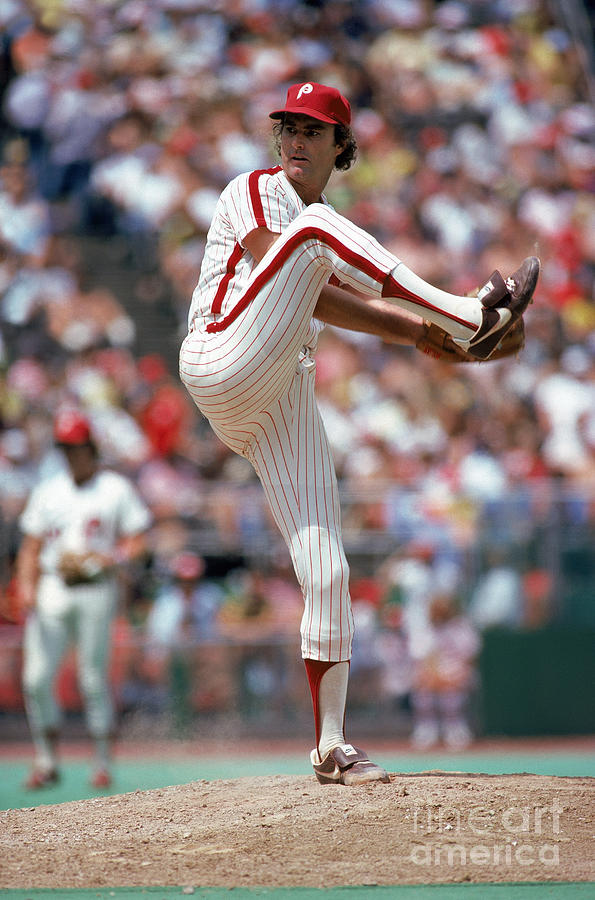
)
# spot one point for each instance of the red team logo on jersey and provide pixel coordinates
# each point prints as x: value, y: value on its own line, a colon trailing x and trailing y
x: 92, y: 529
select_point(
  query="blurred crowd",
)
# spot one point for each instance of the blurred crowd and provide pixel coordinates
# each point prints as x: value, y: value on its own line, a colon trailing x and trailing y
x: 122, y: 120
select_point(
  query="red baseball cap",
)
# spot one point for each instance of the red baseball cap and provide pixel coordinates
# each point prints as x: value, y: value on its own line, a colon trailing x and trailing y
x: 72, y: 428
x: 318, y: 101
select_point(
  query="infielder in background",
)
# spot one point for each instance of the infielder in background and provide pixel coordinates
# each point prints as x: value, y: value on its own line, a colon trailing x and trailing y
x: 278, y: 263
x: 78, y: 527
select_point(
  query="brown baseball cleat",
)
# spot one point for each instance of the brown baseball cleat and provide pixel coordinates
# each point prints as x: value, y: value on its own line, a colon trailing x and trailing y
x: 504, y: 303
x: 346, y: 764
x: 40, y: 778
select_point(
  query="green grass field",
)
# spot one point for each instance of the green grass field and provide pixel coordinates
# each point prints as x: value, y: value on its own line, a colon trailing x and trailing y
x: 525, y: 891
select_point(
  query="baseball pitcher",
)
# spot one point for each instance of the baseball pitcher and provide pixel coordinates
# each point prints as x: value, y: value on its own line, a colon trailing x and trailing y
x: 279, y: 263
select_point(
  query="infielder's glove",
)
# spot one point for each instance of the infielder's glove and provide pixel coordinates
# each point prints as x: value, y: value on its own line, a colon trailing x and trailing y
x: 81, y: 568
x: 438, y: 344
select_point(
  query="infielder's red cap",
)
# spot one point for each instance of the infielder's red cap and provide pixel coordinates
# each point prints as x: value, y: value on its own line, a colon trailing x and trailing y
x: 72, y: 428
x: 318, y: 101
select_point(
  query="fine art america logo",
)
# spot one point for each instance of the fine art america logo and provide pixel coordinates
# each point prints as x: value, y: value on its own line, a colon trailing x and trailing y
x: 518, y: 835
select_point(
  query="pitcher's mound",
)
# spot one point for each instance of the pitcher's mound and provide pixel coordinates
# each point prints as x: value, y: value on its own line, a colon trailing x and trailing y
x: 290, y: 831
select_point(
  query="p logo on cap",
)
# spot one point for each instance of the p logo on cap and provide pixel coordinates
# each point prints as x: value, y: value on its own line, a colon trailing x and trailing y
x: 305, y: 89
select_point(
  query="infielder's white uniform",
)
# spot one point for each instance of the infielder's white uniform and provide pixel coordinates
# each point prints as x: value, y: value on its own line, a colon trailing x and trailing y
x: 71, y: 518
x: 247, y: 363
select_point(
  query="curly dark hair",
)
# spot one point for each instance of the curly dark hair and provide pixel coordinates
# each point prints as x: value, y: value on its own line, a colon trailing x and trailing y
x: 343, y: 136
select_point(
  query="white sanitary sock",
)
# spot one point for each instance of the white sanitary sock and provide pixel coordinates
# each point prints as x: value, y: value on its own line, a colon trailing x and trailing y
x: 332, y: 696
x: 444, y: 309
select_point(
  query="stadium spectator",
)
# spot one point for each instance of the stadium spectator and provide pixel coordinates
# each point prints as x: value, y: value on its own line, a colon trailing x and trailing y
x: 444, y: 675
x: 185, y: 607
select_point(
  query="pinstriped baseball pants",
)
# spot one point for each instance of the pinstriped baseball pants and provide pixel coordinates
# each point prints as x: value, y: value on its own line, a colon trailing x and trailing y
x: 254, y: 381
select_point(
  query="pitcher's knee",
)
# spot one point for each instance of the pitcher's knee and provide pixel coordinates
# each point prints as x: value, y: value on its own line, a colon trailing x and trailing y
x: 332, y: 586
x: 314, y: 210
x: 316, y: 216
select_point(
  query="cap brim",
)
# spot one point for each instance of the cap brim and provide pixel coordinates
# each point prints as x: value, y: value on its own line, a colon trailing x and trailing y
x: 304, y: 111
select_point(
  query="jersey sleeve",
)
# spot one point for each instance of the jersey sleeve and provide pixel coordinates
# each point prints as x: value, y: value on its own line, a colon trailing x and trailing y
x: 254, y: 200
x: 33, y: 521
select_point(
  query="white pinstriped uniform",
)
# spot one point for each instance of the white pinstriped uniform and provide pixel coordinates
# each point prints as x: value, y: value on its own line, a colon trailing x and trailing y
x: 247, y: 363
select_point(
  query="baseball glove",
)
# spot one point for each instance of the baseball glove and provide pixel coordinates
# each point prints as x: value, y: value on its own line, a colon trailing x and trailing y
x: 81, y: 568
x: 438, y: 344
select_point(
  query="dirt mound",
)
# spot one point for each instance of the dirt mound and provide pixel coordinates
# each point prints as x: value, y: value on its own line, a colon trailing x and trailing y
x: 289, y: 830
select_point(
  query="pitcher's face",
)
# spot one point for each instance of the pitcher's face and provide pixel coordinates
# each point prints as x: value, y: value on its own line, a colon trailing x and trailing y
x: 308, y: 154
